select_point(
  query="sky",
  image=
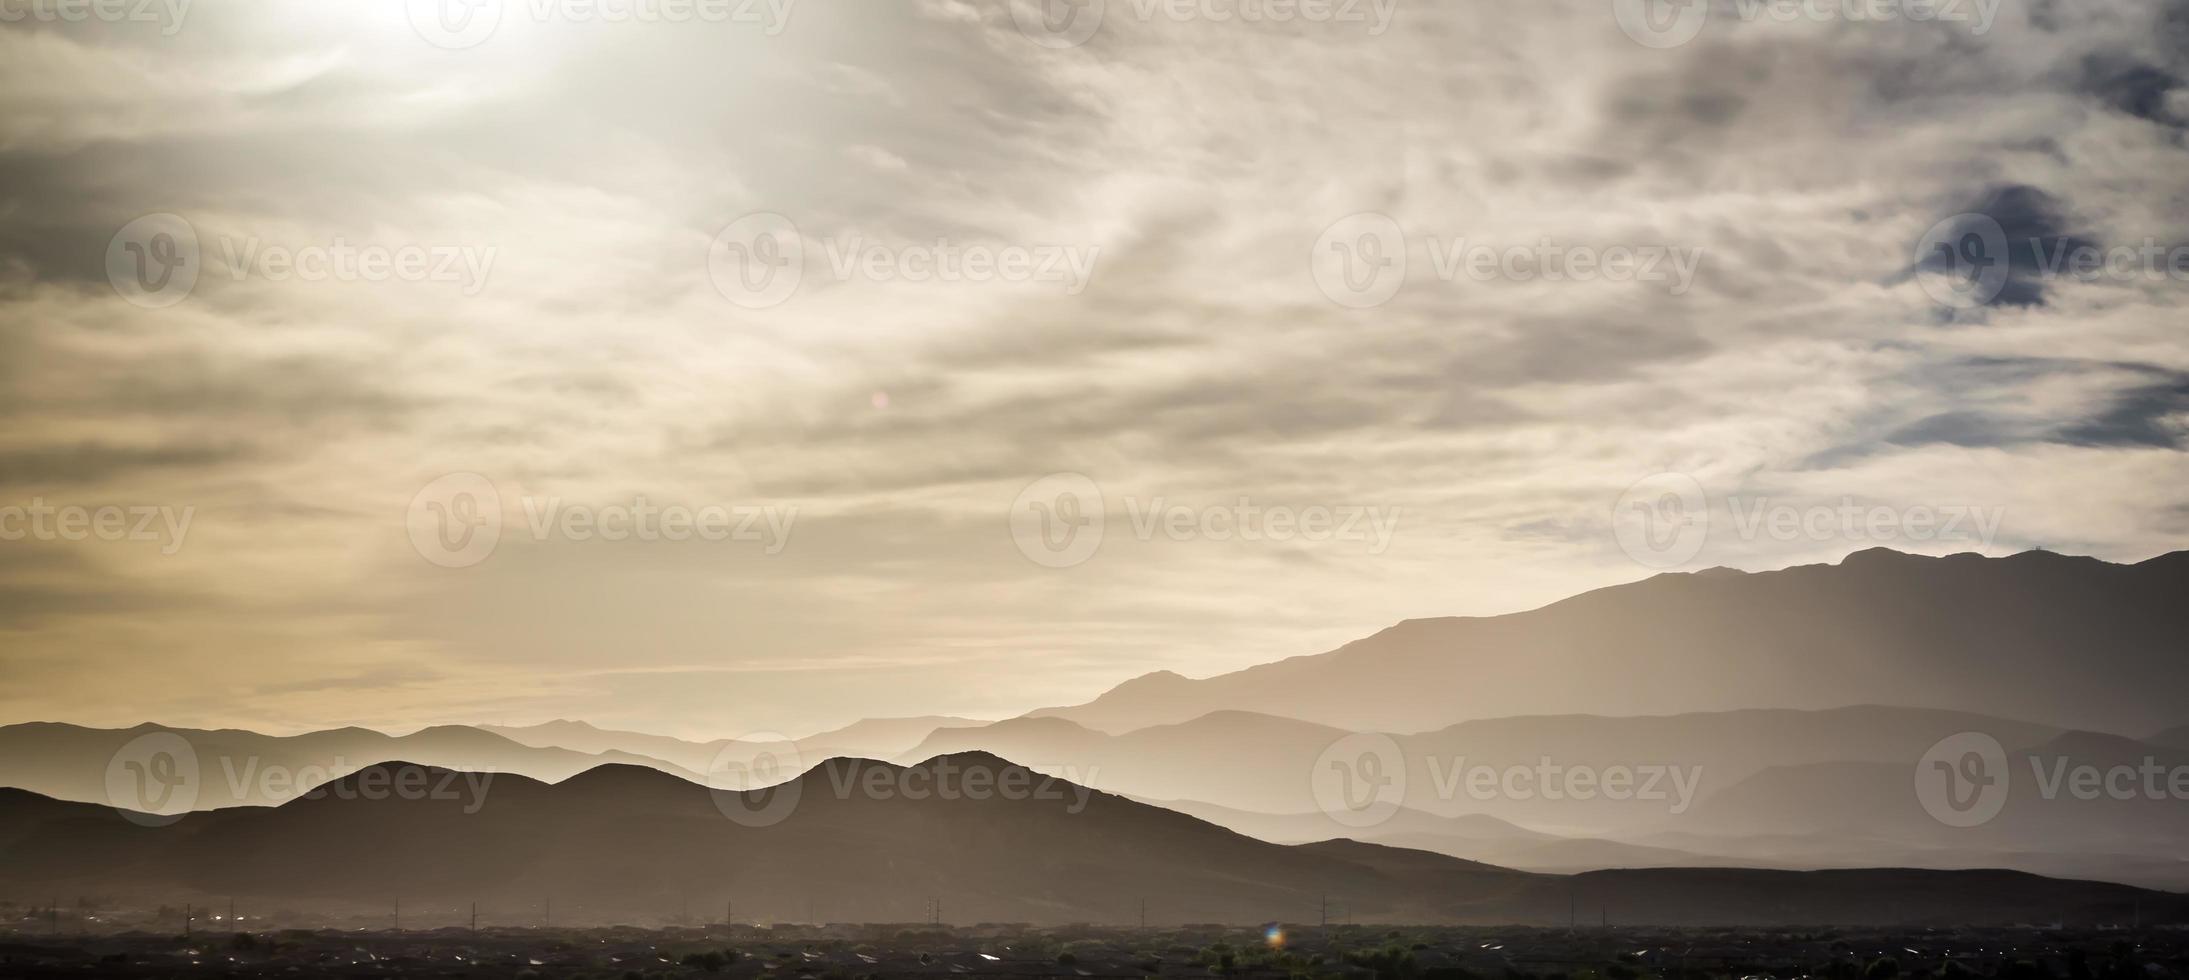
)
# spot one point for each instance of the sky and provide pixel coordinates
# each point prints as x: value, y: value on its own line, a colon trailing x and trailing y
x: 720, y: 368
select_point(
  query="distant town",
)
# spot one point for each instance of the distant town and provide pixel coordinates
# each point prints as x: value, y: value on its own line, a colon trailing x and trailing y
x: 215, y: 947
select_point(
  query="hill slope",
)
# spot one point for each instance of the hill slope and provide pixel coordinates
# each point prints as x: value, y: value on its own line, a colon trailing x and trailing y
x: 231, y: 767
x: 868, y: 841
x: 2072, y: 642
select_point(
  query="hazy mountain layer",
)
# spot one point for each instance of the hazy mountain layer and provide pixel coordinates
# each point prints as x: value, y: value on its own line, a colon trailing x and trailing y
x: 876, y: 738
x: 230, y: 767
x: 871, y: 841
x: 2070, y: 642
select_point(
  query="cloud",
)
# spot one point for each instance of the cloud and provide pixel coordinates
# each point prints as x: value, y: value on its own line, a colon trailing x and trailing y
x: 1198, y: 162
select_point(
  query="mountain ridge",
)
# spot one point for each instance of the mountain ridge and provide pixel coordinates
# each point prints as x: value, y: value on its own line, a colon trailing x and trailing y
x: 2002, y: 636
x: 868, y: 857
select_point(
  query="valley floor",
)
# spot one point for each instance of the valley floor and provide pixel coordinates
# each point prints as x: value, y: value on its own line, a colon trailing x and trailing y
x: 849, y: 952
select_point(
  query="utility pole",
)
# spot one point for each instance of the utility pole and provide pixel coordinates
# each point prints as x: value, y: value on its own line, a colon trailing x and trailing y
x: 729, y: 914
x: 232, y: 913
x: 1323, y: 912
x: 474, y: 918
x: 398, y: 915
x: 188, y: 917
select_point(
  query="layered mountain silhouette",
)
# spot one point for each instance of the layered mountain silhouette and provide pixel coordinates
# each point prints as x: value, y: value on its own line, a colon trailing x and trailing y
x: 625, y: 843
x: 2066, y: 641
x: 1264, y: 764
x: 1729, y: 686
x: 878, y: 738
x: 235, y: 767
x: 1767, y: 788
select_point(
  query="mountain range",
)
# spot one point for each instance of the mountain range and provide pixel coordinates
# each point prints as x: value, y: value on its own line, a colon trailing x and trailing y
x: 624, y: 843
x: 2066, y: 641
x: 1732, y: 689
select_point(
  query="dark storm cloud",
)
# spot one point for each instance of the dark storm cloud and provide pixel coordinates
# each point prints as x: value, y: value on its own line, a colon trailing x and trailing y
x: 2036, y: 226
x: 2137, y: 89
x: 2141, y: 406
x: 2153, y: 416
